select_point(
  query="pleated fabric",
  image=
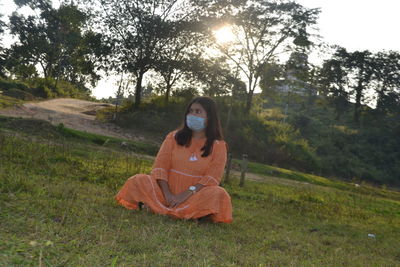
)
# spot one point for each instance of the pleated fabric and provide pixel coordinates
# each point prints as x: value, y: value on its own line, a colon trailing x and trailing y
x: 182, y: 167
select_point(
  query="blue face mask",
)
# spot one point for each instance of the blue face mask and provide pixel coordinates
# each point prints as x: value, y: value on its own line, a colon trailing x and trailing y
x: 195, y: 123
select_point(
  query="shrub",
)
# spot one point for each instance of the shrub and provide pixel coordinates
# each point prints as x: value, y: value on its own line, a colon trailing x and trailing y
x: 19, y: 94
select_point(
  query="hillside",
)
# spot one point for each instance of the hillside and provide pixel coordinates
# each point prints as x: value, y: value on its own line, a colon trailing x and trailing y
x: 308, y: 136
x: 73, y: 113
x: 57, y: 208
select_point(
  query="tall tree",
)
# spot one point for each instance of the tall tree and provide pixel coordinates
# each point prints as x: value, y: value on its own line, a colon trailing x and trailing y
x: 387, y: 77
x: 180, y: 50
x: 271, y: 75
x: 57, y: 40
x: 264, y: 29
x: 137, y: 32
x: 333, y: 82
x: 213, y: 74
x: 297, y: 79
x: 358, y: 70
x: 2, y: 50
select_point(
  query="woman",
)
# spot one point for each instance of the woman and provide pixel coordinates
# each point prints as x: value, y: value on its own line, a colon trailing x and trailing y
x: 187, y: 170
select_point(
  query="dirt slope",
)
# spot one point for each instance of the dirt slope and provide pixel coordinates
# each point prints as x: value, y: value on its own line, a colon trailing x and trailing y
x: 73, y: 113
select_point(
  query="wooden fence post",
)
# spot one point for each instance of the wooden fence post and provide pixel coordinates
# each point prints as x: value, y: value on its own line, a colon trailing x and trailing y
x: 228, y: 168
x: 244, y: 169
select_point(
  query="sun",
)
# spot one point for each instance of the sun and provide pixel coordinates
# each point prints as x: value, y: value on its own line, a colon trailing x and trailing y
x: 224, y: 34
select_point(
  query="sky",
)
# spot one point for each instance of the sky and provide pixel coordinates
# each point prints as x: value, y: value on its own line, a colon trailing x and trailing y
x: 353, y: 24
x: 359, y: 24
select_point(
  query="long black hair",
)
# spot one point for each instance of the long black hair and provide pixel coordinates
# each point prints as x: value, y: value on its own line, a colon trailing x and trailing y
x: 213, y: 130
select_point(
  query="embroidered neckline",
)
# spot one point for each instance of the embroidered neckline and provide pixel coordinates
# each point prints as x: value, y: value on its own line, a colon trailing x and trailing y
x: 194, y: 147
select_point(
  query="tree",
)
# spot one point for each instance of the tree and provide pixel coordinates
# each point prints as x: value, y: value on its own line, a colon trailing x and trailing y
x: 270, y: 78
x: 263, y: 30
x: 2, y: 52
x: 360, y: 69
x: 357, y: 69
x: 214, y: 74
x: 137, y: 32
x: 387, y: 78
x: 333, y: 82
x: 175, y: 60
x: 56, y: 40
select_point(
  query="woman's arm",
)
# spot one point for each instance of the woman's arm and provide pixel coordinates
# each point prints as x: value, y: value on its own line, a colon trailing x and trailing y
x: 215, y: 169
x: 169, y: 197
x: 175, y: 200
x: 182, y: 197
x: 162, y: 161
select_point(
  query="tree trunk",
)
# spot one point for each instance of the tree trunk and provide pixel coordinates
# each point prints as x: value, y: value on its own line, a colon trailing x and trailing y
x: 138, y: 90
x: 228, y: 120
x: 249, y: 101
x: 358, y: 102
x: 167, y: 92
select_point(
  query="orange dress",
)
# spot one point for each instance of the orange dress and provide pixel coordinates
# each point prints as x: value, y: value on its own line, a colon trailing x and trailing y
x: 176, y: 165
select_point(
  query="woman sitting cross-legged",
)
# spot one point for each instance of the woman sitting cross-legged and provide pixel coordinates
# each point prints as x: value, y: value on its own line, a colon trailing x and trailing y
x: 184, y: 181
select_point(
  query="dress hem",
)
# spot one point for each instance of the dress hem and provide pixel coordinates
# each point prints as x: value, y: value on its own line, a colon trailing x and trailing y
x: 126, y: 204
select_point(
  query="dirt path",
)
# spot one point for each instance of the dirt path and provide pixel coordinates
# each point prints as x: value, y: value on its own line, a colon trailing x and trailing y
x: 73, y: 113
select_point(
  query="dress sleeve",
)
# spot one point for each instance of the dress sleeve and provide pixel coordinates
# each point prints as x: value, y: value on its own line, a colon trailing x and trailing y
x: 216, y: 168
x: 162, y: 162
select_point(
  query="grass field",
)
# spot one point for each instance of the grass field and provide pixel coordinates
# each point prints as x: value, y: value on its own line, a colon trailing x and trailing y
x: 57, y: 209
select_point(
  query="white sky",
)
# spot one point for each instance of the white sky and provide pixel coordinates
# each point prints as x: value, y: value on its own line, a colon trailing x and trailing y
x: 353, y: 24
x: 359, y: 24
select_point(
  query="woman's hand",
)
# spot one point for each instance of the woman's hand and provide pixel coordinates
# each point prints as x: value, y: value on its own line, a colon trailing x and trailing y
x: 169, y: 198
x: 180, y: 198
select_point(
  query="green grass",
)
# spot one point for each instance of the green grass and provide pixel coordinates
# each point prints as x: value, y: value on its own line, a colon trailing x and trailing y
x: 362, y: 187
x: 31, y: 127
x: 57, y: 209
x: 6, y: 101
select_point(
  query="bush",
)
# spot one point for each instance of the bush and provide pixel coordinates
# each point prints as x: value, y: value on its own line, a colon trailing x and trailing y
x: 19, y: 94
x: 6, y: 84
x: 42, y: 88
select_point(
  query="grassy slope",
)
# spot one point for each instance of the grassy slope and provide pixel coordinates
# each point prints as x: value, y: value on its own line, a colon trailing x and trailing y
x: 57, y: 208
x: 6, y: 101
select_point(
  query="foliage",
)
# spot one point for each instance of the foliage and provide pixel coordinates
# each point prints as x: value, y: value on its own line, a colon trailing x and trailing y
x: 6, y: 101
x: 269, y: 141
x: 270, y: 77
x: 216, y: 77
x: 180, y: 54
x: 263, y: 29
x: 155, y: 116
x: 56, y: 41
x: 30, y: 89
x: 347, y: 151
x: 360, y: 74
x: 2, y: 54
x: 142, y: 35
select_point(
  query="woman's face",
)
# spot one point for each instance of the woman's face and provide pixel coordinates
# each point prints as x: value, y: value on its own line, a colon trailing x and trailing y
x: 197, y: 110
